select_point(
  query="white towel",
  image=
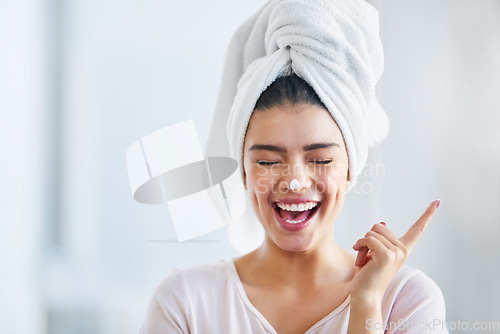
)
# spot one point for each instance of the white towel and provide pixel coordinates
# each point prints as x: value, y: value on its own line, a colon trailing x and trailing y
x: 334, y: 45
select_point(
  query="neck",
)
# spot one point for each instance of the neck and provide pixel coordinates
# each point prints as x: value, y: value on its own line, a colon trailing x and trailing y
x: 321, y: 264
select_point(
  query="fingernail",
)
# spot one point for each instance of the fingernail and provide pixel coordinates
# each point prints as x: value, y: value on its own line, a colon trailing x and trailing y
x: 438, y: 203
x: 383, y: 223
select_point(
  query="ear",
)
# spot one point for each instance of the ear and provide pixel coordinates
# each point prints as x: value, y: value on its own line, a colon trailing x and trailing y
x: 348, y: 182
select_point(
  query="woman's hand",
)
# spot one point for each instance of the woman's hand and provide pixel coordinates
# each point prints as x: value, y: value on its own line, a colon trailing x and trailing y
x: 380, y: 255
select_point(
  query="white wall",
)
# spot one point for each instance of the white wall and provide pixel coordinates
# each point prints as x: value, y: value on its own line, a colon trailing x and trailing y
x: 122, y: 69
x: 441, y: 88
x: 21, y: 166
x: 125, y: 73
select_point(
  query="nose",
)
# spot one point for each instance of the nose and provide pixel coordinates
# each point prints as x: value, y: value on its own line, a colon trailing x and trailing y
x: 296, y: 181
x: 294, y: 185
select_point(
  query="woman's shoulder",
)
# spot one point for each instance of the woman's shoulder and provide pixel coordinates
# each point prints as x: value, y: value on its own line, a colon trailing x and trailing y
x: 188, y: 296
x: 410, y: 281
x: 199, y: 275
x: 208, y: 270
x: 413, y: 298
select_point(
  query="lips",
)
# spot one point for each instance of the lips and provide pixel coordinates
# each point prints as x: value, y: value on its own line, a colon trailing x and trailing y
x: 294, y: 215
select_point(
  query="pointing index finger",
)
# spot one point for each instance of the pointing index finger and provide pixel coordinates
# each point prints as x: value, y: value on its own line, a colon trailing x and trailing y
x: 415, y: 231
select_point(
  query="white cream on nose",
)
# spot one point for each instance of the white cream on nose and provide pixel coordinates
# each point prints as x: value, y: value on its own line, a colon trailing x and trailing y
x: 294, y: 184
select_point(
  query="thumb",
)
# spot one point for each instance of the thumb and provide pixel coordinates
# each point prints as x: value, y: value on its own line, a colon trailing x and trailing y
x: 411, y: 237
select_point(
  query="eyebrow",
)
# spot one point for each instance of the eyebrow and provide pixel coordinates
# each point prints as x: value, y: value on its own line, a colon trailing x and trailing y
x: 316, y: 146
x: 273, y: 148
x: 281, y: 149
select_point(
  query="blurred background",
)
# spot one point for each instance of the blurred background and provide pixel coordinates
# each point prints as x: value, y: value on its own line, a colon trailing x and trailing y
x: 81, y: 80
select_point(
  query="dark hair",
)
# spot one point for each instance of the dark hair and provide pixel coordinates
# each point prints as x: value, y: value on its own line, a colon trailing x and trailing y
x: 288, y: 89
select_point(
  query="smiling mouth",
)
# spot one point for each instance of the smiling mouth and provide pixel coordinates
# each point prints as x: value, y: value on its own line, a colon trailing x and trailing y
x: 294, y: 217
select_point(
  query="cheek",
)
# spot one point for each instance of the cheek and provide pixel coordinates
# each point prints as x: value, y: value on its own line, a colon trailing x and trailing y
x: 329, y: 179
x: 260, y: 181
x: 326, y: 185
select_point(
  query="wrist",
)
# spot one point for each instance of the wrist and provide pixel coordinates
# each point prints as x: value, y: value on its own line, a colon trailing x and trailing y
x: 365, y: 314
x: 366, y: 300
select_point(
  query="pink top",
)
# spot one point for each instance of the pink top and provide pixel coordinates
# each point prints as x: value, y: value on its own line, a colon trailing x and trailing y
x: 210, y: 298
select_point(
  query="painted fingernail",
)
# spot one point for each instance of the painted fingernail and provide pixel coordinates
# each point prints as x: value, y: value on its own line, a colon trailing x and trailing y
x: 383, y: 223
x: 438, y: 203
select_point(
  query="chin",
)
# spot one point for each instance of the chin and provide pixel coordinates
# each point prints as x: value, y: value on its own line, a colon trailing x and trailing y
x: 293, y: 244
x: 295, y: 237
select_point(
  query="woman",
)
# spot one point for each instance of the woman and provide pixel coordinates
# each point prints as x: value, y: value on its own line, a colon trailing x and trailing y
x: 294, y: 124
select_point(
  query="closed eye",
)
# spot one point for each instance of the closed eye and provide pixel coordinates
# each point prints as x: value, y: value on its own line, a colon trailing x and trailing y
x: 266, y: 163
x: 322, y: 162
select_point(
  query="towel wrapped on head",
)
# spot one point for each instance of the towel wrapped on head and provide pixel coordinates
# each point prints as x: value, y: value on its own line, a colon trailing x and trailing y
x: 333, y: 45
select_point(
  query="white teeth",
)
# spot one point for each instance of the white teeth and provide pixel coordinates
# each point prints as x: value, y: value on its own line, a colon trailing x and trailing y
x: 299, y: 207
x: 295, y: 221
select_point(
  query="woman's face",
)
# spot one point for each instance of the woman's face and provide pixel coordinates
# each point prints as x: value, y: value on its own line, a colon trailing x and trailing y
x: 300, y: 142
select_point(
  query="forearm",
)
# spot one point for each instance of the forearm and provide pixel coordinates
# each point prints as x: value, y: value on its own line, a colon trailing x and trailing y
x: 365, y: 316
